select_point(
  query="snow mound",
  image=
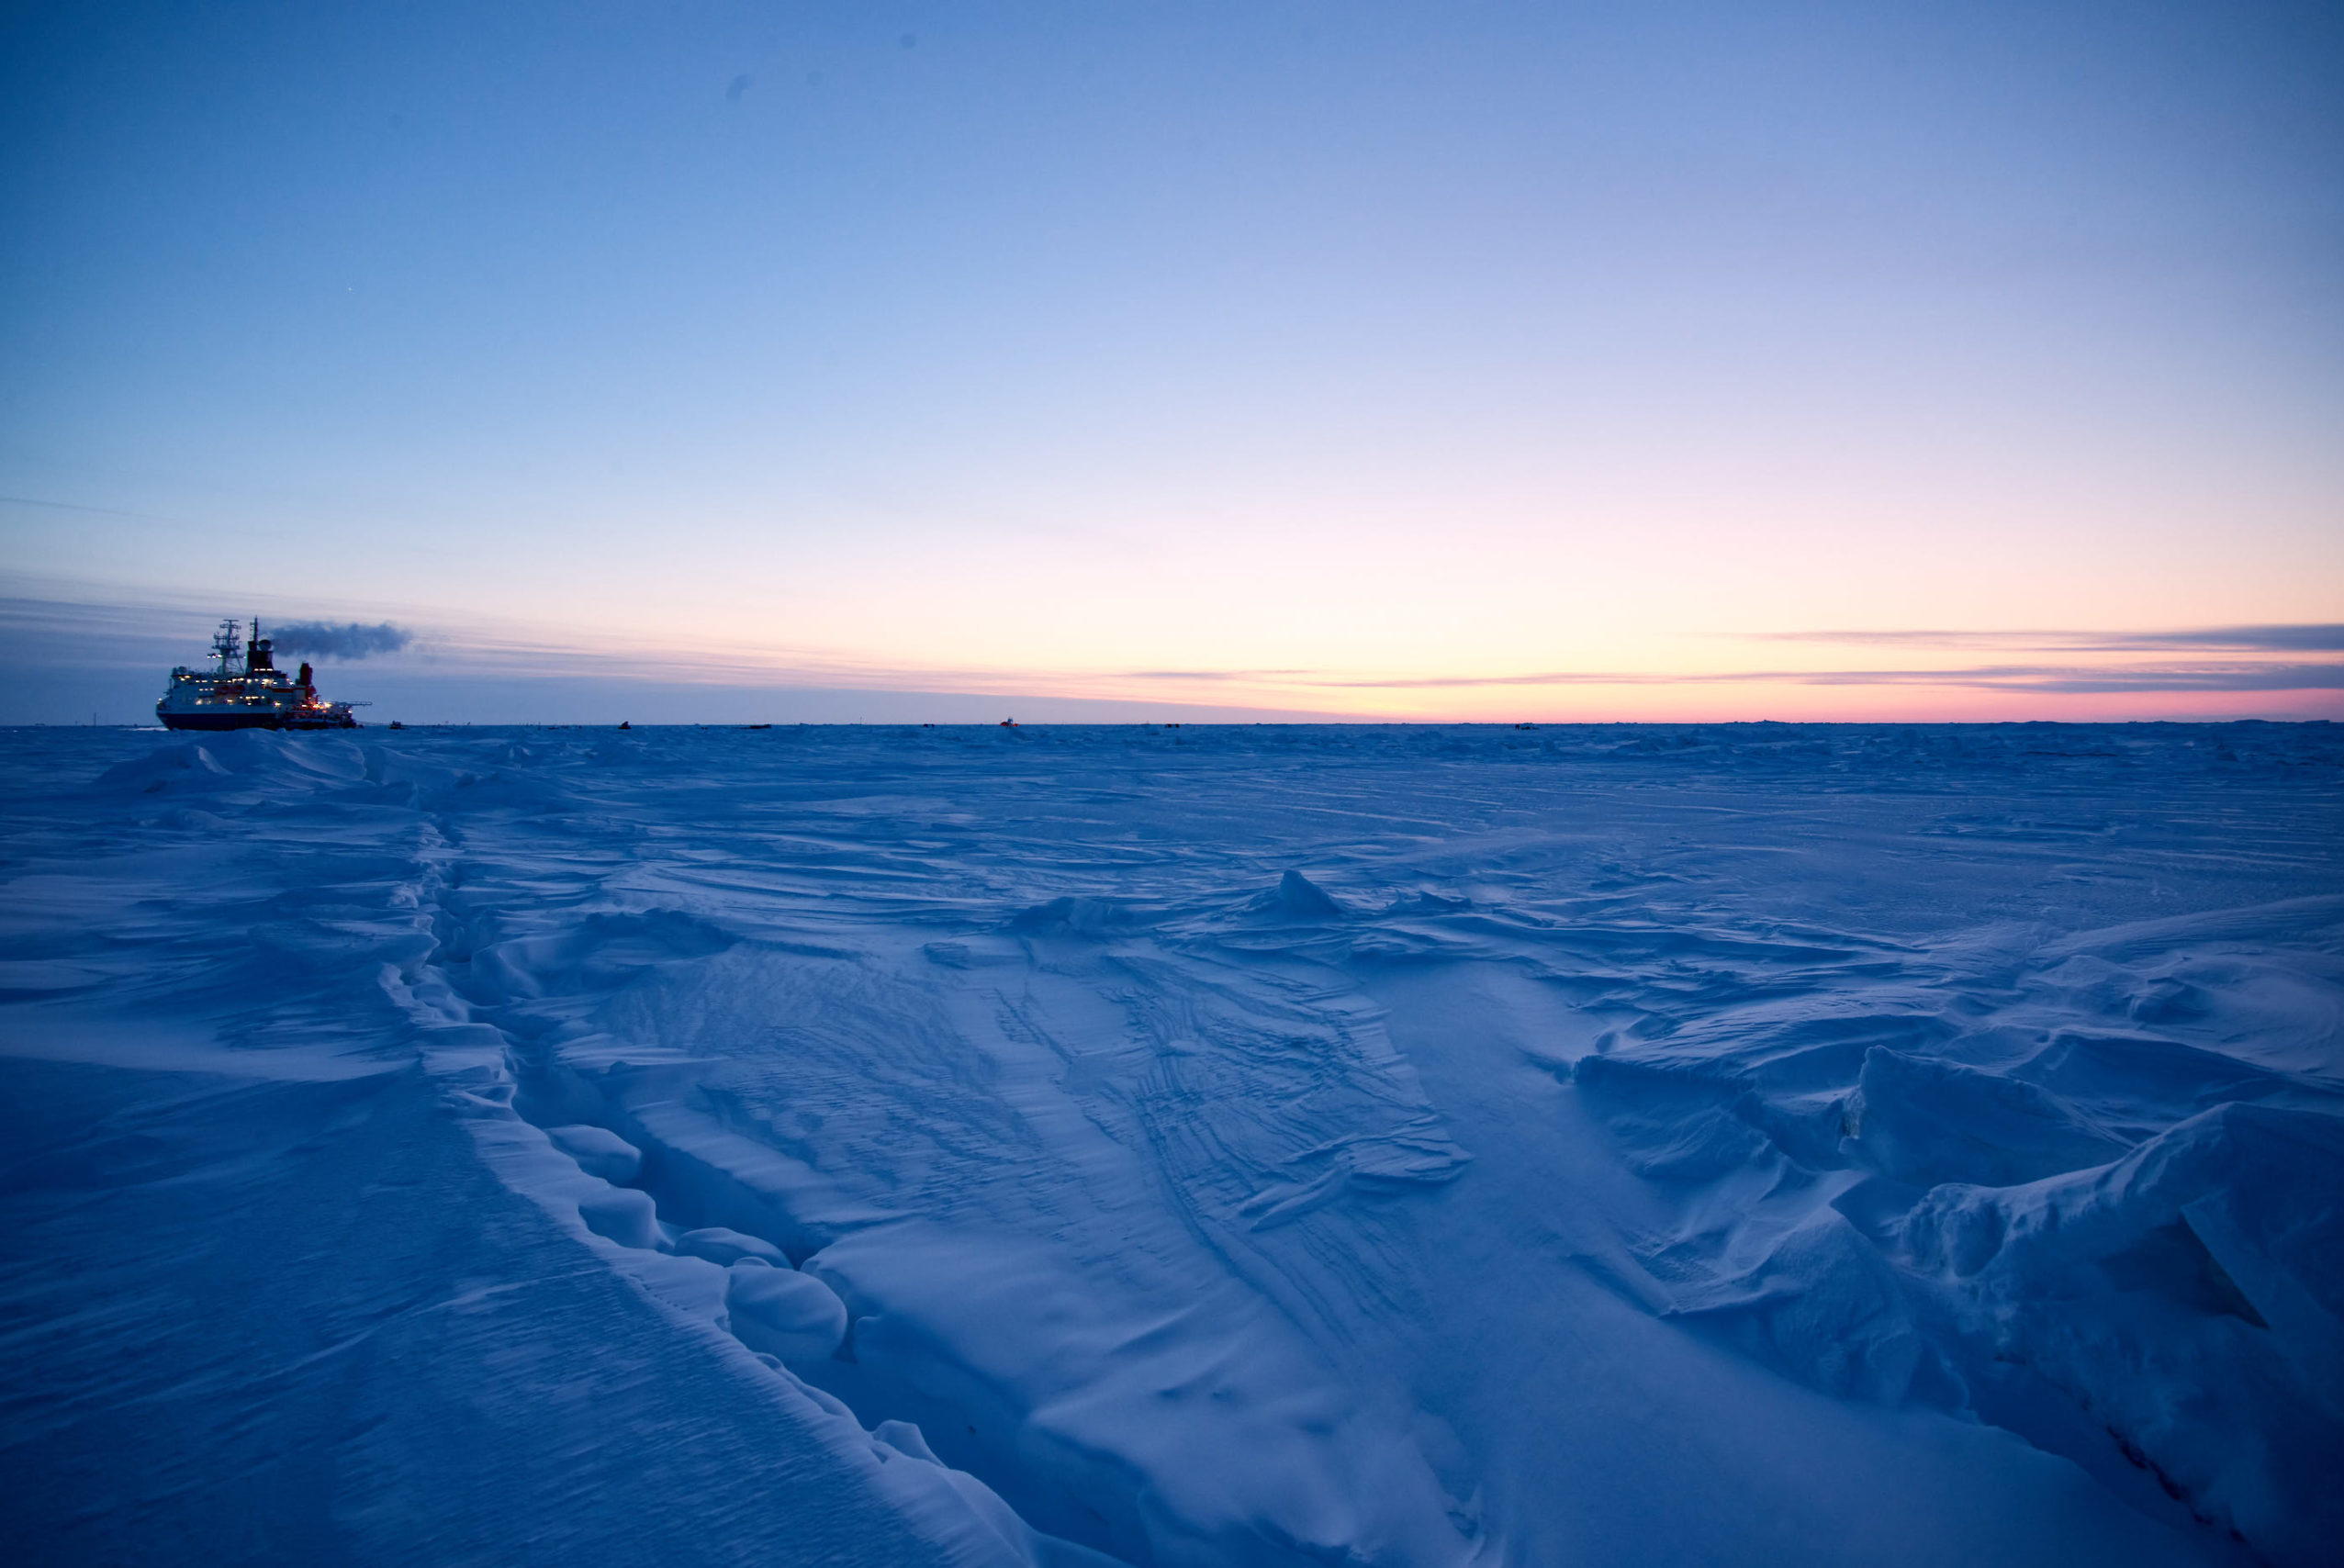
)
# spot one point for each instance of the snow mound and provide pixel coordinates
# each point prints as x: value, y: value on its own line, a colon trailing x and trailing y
x: 1077, y: 916
x: 726, y: 1246
x: 783, y: 1312
x: 1296, y: 897
x: 599, y: 1152
x: 2192, y: 1290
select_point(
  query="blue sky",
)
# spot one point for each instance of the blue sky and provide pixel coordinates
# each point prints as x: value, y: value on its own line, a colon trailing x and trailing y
x: 1309, y: 357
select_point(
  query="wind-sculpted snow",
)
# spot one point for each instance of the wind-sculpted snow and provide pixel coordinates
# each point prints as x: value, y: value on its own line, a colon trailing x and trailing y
x: 1239, y: 1146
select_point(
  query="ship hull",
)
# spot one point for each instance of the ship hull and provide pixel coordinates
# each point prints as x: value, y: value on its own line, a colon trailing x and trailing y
x: 250, y: 721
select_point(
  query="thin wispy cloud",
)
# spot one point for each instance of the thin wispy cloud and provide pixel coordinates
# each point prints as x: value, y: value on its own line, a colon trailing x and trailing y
x: 44, y: 505
x: 2061, y: 675
x: 1210, y: 674
x: 2263, y: 677
x: 101, y: 632
x: 2016, y: 678
x: 2318, y: 637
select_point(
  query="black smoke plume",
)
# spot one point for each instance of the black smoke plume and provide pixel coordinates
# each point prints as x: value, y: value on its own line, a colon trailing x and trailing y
x: 327, y: 640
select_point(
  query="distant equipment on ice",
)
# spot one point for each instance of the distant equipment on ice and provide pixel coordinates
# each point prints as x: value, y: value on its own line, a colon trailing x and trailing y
x: 258, y: 696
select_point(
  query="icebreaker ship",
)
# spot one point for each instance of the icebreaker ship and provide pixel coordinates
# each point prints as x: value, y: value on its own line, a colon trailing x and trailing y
x: 258, y: 696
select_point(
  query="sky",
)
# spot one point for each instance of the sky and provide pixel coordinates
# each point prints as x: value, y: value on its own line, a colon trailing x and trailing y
x: 1523, y: 362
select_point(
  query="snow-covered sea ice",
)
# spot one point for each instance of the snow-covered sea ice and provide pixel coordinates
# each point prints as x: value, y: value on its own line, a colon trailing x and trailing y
x: 1235, y: 1145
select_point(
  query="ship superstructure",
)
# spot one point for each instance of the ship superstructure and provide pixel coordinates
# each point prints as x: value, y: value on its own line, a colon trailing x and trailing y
x: 258, y: 696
